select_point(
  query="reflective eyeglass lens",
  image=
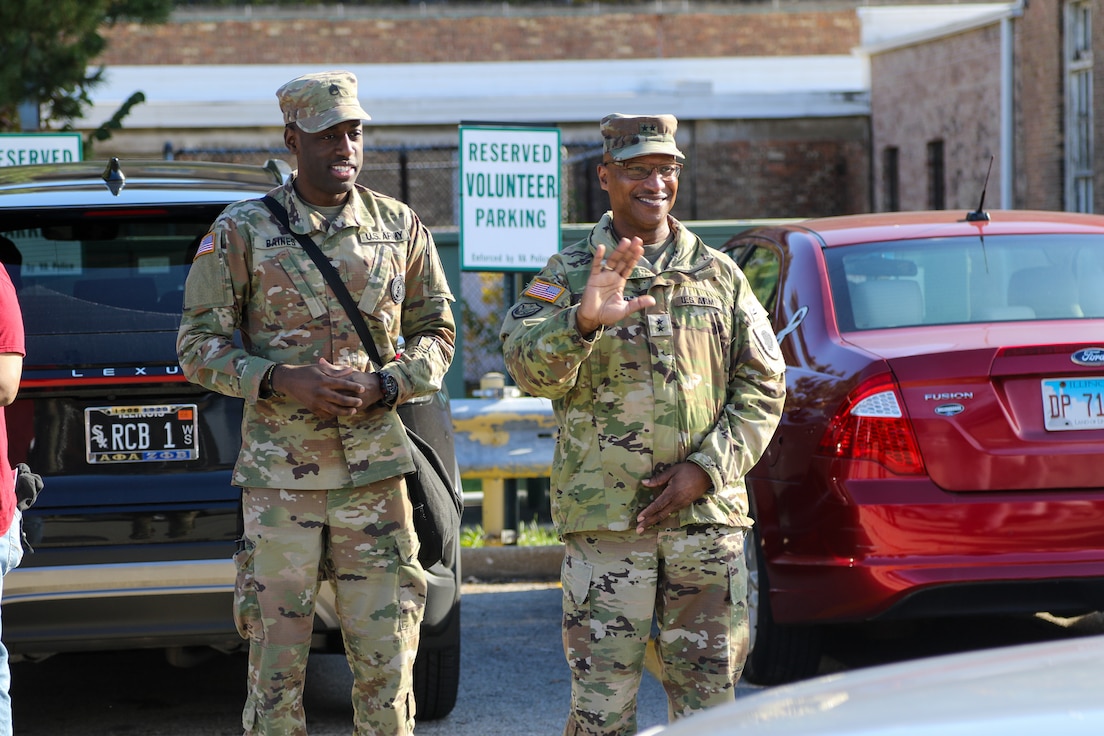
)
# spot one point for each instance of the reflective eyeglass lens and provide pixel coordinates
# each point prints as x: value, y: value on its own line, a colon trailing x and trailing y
x: 639, y: 172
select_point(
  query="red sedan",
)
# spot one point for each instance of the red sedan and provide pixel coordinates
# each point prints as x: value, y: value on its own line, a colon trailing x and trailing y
x: 942, y: 448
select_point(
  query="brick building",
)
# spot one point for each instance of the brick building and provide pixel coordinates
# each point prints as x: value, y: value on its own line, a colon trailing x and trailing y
x: 772, y: 101
x: 1014, y: 84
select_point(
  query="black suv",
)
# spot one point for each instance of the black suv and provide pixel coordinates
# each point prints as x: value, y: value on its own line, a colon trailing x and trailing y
x: 134, y: 532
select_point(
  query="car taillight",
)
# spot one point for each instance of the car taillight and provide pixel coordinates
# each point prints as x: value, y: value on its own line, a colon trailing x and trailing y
x: 872, y: 426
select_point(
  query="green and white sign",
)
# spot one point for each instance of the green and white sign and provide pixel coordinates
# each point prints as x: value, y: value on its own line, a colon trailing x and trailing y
x: 509, y: 197
x: 21, y: 149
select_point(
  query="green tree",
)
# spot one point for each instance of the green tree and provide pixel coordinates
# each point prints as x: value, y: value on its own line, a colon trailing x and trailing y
x: 48, y: 45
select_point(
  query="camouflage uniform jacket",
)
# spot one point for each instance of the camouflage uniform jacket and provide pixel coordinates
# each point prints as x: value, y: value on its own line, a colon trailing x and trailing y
x: 697, y: 377
x: 250, y: 275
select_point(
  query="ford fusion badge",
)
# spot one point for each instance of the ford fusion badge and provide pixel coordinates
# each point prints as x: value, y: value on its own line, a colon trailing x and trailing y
x: 1089, y: 356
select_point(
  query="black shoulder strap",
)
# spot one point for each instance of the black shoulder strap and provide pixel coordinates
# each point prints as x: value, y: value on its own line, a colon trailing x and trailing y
x: 332, y: 278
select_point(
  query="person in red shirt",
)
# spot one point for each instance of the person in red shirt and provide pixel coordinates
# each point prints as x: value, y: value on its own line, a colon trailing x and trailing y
x: 12, y: 350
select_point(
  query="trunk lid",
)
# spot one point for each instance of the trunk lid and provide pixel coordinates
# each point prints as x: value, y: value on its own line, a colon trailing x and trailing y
x: 1002, y: 407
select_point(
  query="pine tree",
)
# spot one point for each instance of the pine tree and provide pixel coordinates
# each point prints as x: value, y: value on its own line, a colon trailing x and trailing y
x: 47, y: 47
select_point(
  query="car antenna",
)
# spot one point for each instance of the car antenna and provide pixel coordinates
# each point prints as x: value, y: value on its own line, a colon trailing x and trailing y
x: 980, y: 214
x: 113, y: 177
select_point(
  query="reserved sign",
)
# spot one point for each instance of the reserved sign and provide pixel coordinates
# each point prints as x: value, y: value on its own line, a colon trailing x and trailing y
x: 510, y: 197
x: 23, y: 149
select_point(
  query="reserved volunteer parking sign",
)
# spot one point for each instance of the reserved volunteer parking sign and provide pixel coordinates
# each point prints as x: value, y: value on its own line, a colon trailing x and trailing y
x: 21, y: 149
x: 509, y: 196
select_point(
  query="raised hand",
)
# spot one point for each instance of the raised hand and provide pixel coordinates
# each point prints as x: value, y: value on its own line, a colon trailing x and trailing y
x: 603, y: 300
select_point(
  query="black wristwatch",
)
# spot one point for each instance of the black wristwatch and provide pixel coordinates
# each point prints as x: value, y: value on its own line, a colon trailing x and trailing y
x: 389, y: 389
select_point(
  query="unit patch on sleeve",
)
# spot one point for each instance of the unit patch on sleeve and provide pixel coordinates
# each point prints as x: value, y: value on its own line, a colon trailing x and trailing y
x: 764, y: 337
x: 525, y: 309
x: 546, y: 291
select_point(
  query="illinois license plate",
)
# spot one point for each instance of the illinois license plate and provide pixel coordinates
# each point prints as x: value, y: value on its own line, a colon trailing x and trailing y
x: 141, y: 434
x: 1073, y: 403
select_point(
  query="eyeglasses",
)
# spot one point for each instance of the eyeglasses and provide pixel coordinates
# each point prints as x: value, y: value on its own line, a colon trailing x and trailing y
x: 640, y: 172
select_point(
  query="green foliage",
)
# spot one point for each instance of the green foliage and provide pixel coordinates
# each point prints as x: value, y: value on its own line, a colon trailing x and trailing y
x: 472, y: 536
x: 536, y: 535
x: 105, y: 130
x: 48, y: 47
x: 530, y: 534
x: 480, y: 320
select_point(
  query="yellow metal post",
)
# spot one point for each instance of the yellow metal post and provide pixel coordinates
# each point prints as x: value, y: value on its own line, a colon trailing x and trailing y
x: 494, y: 512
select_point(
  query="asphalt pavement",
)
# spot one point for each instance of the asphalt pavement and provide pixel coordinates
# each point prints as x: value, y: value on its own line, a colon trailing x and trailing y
x: 514, y: 680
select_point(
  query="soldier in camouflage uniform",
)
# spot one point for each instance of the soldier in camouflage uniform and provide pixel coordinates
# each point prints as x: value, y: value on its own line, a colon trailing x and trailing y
x: 667, y: 384
x: 323, y: 451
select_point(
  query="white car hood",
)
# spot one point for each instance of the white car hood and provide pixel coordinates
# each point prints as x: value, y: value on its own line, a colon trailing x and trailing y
x: 1048, y: 688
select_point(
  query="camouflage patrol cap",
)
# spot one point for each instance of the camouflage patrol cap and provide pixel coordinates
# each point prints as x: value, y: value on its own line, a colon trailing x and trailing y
x: 629, y: 136
x: 318, y: 101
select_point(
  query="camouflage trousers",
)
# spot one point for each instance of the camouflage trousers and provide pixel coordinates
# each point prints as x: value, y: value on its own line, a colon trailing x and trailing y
x: 690, y: 583
x: 362, y: 541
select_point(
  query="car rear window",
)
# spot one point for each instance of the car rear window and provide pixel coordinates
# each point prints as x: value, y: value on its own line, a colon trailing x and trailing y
x: 967, y: 280
x: 101, y: 274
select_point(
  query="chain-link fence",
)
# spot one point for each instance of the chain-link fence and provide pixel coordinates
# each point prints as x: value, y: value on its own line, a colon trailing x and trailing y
x: 426, y: 177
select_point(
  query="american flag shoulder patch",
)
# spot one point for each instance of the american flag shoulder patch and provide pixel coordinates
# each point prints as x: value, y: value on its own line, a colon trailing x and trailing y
x: 546, y: 291
x: 207, y: 245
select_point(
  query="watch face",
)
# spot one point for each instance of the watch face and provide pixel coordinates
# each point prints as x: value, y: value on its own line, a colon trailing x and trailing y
x: 389, y: 387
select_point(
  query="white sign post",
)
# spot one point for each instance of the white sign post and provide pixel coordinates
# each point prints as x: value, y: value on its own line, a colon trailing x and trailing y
x: 509, y: 197
x: 19, y: 149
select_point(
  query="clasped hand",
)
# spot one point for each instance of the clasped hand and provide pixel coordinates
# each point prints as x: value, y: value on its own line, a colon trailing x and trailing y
x: 679, y: 485
x: 326, y: 389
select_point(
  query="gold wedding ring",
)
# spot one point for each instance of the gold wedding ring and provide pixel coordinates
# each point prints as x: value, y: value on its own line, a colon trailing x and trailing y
x: 606, y: 266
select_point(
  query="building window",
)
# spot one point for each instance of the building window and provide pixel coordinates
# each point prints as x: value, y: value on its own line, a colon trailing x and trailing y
x: 937, y: 188
x: 891, y: 180
x: 1079, y: 118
